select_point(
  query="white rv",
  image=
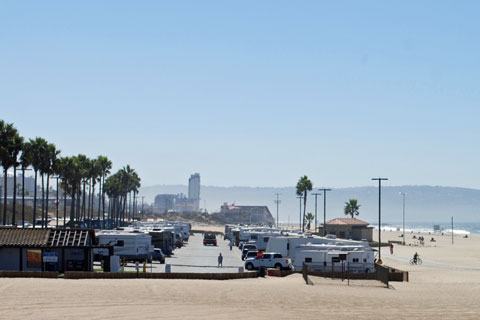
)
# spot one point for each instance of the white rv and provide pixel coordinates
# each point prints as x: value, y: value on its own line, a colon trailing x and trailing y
x: 286, y: 244
x: 127, y: 245
x: 335, y: 260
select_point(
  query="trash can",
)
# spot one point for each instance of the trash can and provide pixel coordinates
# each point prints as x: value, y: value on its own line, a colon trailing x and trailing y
x: 261, y: 272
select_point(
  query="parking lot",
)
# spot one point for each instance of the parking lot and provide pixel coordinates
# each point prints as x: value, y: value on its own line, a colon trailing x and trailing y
x: 195, y: 257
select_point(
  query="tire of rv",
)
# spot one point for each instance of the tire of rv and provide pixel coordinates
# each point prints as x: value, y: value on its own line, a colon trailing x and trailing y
x: 249, y: 266
x: 278, y: 266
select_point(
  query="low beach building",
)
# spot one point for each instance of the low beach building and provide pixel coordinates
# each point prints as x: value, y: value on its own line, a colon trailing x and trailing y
x: 348, y: 228
x: 46, y: 249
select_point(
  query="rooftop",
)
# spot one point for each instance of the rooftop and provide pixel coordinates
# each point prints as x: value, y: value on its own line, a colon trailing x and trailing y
x: 347, y: 221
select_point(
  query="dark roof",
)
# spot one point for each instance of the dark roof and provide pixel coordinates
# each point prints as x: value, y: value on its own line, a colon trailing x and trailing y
x: 19, y: 237
x: 24, y: 237
x: 347, y: 221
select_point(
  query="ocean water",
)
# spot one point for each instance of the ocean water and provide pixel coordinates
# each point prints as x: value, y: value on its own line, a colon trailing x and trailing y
x: 460, y: 228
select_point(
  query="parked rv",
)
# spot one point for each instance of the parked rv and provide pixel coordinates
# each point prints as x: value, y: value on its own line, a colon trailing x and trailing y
x: 132, y: 246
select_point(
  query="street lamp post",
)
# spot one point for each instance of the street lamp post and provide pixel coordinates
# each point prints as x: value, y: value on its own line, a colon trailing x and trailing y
x: 277, y: 203
x: 325, y: 210
x: 316, y: 194
x: 379, y: 216
x: 403, y: 194
x: 300, y: 198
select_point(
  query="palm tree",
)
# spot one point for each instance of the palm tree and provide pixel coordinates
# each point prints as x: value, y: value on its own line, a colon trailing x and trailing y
x: 38, y: 147
x: 16, y: 147
x: 105, y: 165
x: 309, y: 217
x: 51, y: 155
x: 303, y: 186
x: 25, y: 162
x: 9, y: 139
x: 352, y: 207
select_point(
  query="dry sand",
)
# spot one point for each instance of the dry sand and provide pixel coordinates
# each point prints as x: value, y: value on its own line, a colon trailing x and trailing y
x: 448, y: 289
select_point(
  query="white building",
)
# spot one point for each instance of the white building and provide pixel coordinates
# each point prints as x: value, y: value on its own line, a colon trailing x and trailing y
x: 194, y: 190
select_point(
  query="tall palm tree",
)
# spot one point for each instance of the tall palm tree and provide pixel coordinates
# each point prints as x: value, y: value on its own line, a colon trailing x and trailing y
x: 51, y: 155
x: 105, y: 165
x: 38, y: 147
x: 8, y: 144
x: 25, y: 162
x: 352, y: 207
x: 303, y: 186
x: 16, y: 147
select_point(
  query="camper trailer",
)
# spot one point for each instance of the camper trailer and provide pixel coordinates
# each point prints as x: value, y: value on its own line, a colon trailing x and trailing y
x: 286, y: 244
x: 132, y: 246
x: 358, y: 261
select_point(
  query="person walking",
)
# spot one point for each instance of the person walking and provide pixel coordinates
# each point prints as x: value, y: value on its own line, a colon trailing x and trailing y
x: 391, y: 248
x: 220, y: 261
x: 231, y: 245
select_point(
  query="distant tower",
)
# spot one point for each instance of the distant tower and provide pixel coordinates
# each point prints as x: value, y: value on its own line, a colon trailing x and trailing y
x: 194, y: 190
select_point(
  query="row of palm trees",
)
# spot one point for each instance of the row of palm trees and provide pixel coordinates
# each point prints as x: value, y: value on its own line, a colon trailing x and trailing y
x: 76, y: 174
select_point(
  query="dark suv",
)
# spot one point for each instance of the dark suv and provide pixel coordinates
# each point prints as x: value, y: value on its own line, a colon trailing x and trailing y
x: 246, y: 248
x: 209, y: 238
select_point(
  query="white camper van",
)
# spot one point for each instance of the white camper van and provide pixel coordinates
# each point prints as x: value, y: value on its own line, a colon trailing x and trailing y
x: 136, y: 246
x: 335, y: 260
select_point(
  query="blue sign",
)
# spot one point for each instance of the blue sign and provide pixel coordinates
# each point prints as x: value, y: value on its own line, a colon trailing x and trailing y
x: 50, y: 257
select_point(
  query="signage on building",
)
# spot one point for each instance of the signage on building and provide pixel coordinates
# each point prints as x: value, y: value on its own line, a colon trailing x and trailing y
x: 50, y: 257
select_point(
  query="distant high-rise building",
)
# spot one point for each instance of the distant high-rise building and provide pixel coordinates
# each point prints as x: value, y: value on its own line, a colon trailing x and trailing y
x: 194, y: 190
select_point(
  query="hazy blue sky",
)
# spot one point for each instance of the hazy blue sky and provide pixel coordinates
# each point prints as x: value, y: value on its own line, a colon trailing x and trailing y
x: 251, y: 93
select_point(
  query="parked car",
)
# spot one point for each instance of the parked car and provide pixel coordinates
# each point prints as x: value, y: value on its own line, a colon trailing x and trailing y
x: 269, y: 260
x: 251, y: 254
x: 246, y: 248
x: 158, y: 255
x: 209, y: 238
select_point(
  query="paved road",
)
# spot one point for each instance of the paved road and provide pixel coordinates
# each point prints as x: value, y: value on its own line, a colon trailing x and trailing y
x: 195, y: 257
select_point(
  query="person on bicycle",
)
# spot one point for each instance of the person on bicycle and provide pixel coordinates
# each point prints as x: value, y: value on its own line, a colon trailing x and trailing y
x: 415, y: 258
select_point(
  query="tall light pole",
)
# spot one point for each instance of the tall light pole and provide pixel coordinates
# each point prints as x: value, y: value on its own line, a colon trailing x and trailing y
x: 379, y: 216
x: 300, y: 198
x: 325, y: 210
x: 316, y: 194
x: 403, y: 194
x: 277, y: 203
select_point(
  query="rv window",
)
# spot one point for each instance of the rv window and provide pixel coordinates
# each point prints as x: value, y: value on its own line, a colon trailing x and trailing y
x: 119, y: 243
x: 355, y: 259
x: 253, y: 237
x: 308, y: 259
x: 265, y: 239
x: 364, y: 260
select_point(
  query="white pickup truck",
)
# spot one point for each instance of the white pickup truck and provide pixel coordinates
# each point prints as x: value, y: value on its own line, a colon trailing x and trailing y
x: 268, y: 260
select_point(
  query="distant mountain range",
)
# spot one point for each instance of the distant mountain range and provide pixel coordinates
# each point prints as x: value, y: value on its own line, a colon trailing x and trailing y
x: 423, y: 203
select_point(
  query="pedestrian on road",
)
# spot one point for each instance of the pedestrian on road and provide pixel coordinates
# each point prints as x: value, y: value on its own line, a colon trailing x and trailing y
x: 391, y: 248
x: 231, y: 245
x: 220, y: 261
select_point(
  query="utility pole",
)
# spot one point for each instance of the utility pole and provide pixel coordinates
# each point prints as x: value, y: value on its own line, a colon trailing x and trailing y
x: 379, y: 216
x: 142, y: 207
x: 452, y: 229
x: 277, y: 203
x: 325, y: 210
x: 403, y: 194
x: 300, y: 198
x: 316, y: 194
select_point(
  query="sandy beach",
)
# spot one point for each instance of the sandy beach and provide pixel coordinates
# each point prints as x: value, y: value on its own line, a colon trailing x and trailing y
x: 446, y: 286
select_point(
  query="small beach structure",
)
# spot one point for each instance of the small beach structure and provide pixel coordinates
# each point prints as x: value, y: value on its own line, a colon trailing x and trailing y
x: 348, y: 228
x: 46, y: 249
